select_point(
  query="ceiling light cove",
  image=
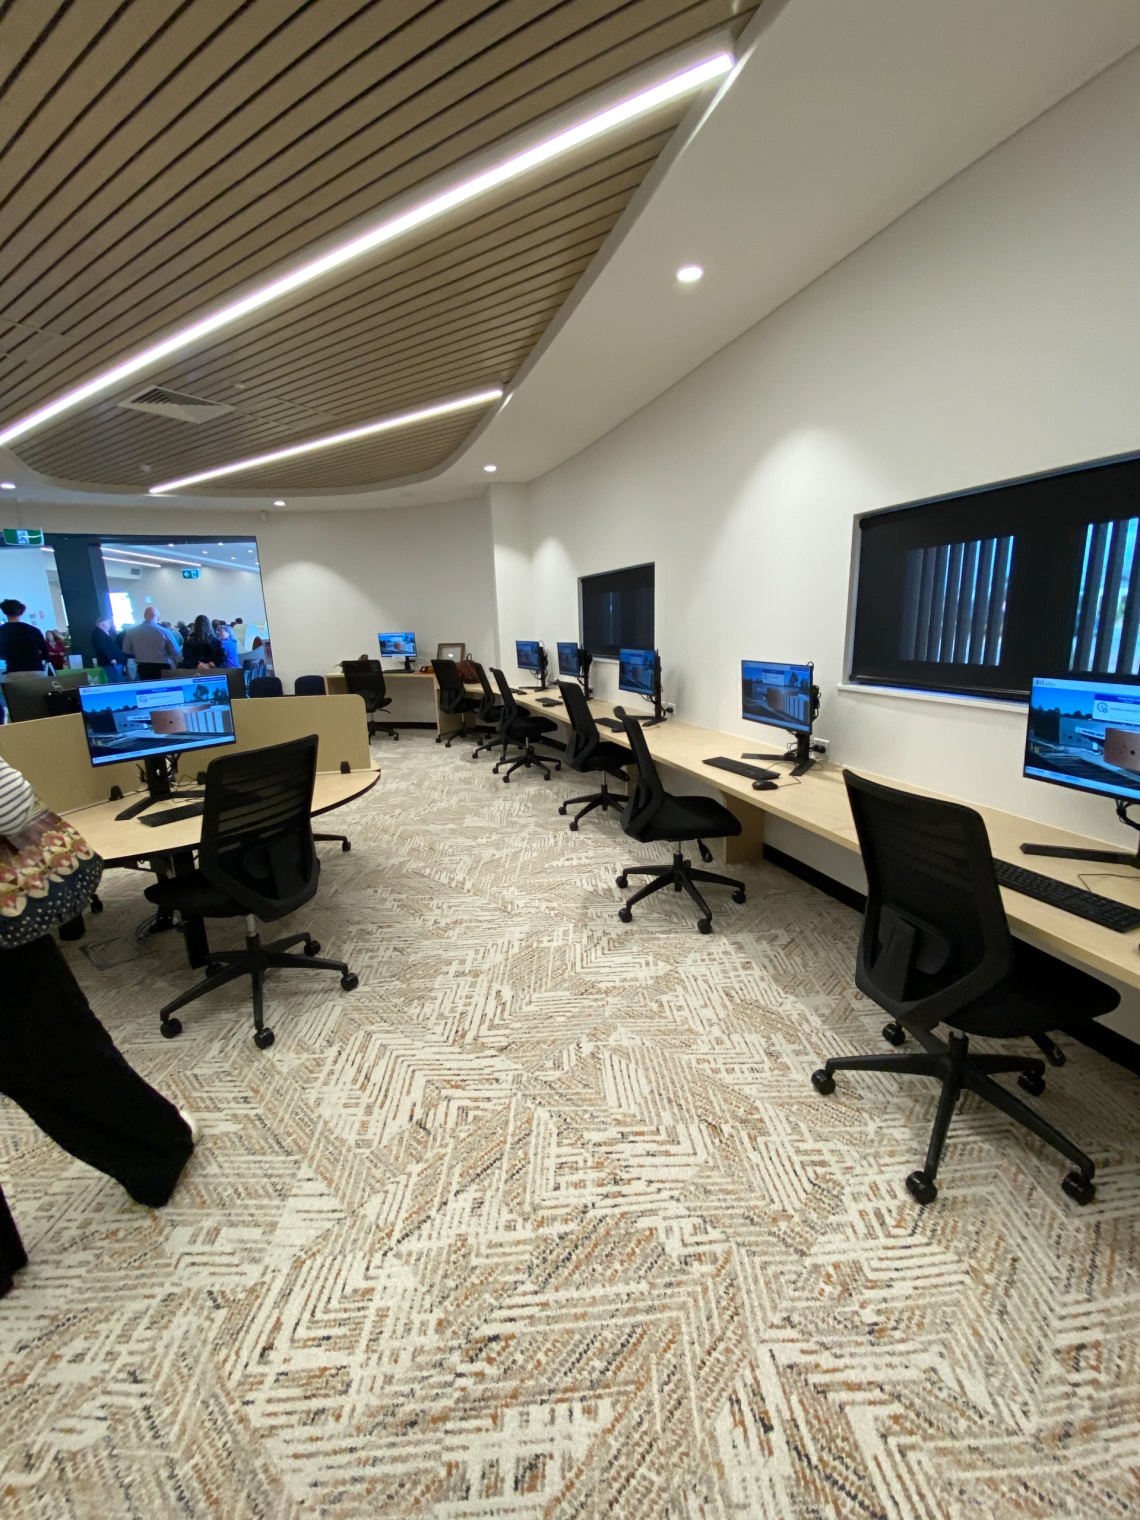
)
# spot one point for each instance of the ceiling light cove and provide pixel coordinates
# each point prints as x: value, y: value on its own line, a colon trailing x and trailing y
x: 7, y: 485
x: 689, y: 274
x: 279, y: 502
x: 671, y: 83
x: 331, y: 440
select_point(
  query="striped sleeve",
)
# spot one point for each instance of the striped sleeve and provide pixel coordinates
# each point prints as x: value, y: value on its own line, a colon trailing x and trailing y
x: 18, y: 801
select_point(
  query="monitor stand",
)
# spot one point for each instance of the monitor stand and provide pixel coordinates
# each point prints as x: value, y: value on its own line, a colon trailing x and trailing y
x: 802, y: 757
x: 1100, y: 857
x: 408, y: 664
x: 160, y: 773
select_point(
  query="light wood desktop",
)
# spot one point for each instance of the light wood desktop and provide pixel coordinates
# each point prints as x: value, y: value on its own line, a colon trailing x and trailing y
x: 818, y: 803
x: 399, y: 682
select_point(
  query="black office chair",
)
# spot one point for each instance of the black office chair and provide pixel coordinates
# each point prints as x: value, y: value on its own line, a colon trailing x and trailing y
x: 936, y: 949
x: 256, y: 859
x: 13, y: 1257
x: 586, y: 750
x: 488, y: 717
x: 453, y: 698
x: 365, y: 678
x: 651, y: 814
x: 266, y: 686
x: 524, y: 729
x: 310, y: 686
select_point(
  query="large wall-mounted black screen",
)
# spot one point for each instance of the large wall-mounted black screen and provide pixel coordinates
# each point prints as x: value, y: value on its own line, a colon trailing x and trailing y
x: 981, y: 591
x: 617, y: 611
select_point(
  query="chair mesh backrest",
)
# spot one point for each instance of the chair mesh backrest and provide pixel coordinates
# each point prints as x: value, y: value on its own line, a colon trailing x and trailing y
x: 257, y: 836
x: 266, y: 686
x: 510, y: 706
x: 648, y: 795
x: 931, y: 889
x: 364, y: 678
x: 309, y: 686
x: 584, y: 736
x: 490, y: 709
x: 452, y: 693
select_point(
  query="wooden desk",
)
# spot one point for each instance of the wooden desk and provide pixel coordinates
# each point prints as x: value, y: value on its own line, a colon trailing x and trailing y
x: 818, y: 803
x: 420, y: 684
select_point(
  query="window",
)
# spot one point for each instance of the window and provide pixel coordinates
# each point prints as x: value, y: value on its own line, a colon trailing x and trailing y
x: 616, y: 611
x: 977, y: 593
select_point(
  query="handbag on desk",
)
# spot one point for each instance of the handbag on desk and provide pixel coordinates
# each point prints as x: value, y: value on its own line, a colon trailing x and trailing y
x: 48, y: 876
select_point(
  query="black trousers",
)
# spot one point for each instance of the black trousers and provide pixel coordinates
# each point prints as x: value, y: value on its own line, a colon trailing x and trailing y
x: 151, y: 672
x: 61, y: 1066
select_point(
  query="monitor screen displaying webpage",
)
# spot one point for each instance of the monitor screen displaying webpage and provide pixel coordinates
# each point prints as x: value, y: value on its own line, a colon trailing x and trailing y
x: 1085, y: 734
x: 142, y: 718
x: 776, y: 694
x: 637, y: 669
x: 396, y: 646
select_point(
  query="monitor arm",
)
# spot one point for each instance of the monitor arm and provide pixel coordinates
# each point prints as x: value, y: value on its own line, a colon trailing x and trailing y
x: 585, y: 660
x: 658, y: 705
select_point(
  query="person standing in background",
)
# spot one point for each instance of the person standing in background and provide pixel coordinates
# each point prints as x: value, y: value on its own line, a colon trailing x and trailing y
x: 226, y: 638
x: 22, y: 647
x: 151, y: 647
x: 56, y: 649
x: 108, y: 648
x: 201, y: 647
x: 175, y: 634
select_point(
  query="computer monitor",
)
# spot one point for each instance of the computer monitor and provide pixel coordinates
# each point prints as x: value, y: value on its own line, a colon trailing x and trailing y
x: 1084, y: 733
x: 783, y: 696
x: 148, y: 720
x: 639, y: 671
x: 398, y: 646
x: 569, y: 659
x: 527, y: 655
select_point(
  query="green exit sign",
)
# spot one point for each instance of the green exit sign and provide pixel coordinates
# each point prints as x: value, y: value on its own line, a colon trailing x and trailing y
x: 24, y: 538
x: 191, y: 575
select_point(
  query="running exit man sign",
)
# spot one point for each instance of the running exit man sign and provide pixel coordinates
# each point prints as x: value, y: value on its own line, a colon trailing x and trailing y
x: 24, y: 538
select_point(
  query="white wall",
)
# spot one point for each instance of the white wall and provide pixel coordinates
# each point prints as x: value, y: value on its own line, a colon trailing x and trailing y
x: 333, y: 580
x: 218, y: 593
x: 991, y: 332
x: 24, y: 577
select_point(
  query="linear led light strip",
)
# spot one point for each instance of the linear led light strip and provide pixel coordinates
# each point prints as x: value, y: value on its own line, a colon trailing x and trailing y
x: 641, y: 103
x: 385, y: 425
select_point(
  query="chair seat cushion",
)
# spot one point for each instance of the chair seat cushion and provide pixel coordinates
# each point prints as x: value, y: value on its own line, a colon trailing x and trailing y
x: 691, y: 818
x: 612, y: 758
x: 531, y: 726
x: 193, y: 896
x: 1040, y: 994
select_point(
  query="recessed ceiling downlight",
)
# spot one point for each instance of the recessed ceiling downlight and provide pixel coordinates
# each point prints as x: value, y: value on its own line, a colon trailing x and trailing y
x: 689, y: 274
x: 490, y: 468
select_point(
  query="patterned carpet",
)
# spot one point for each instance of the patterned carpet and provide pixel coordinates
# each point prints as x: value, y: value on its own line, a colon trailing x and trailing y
x: 546, y: 1220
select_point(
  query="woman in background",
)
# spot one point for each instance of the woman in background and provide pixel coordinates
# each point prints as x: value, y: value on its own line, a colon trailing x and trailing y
x: 203, y: 647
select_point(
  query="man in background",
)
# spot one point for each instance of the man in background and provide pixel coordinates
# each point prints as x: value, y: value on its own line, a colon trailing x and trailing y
x: 150, y: 646
x: 108, y: 648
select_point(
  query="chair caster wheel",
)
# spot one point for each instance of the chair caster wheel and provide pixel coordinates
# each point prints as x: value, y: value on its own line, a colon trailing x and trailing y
x: 396, y: 737
x: 263, y: 1038
x: 506, y: 780
x: 562, y: 810
x: 573, y: 825
x: 704, y: 925
x: 920, y: 1188
x: 1081, y: 1189
x: 312, y: 947
x: 171, y: 1028
x: 346, y: 845
x: 350, y: 981
x: 738, y: 897
x: 626, y: 915
x: 823, y: 1081
x: 622, y: 881
x: 894, y: 1034
x: 1034, y: 1085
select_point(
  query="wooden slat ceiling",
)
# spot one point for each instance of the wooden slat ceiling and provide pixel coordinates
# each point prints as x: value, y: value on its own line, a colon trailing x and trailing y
x: 159, y: 155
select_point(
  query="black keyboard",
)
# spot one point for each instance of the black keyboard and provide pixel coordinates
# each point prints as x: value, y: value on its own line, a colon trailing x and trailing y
x: 739, y: 768
x: 172, y: 815
x: 547, y: 702
x: 614, y: 723
x: 1105, y: 911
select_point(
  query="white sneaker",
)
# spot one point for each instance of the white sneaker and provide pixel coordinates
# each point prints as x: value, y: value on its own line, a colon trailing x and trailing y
x: 191, y: 1124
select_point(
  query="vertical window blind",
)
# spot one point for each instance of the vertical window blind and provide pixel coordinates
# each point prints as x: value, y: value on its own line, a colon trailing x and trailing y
x: 954, y: 603
x: 1106, y: 634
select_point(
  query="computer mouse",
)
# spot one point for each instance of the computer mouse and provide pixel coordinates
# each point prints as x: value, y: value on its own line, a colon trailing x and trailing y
x: 765, y: 786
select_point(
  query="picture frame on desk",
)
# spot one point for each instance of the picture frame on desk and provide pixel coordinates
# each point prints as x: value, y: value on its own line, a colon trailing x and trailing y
x: 454, y: 652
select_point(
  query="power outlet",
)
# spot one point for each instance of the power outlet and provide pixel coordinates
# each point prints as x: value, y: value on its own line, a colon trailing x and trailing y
x: 820, y: 746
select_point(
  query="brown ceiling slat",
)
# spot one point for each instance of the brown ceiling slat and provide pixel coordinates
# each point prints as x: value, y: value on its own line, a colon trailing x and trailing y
x: 23, y: 26
x: 155, y: 202
x: 248, y: 235
x: 72, y: 30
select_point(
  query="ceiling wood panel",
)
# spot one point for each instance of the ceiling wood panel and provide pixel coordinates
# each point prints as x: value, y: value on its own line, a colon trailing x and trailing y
x: 165, y: 154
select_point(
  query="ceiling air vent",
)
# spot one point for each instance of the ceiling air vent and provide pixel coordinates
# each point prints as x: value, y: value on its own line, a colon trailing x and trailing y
x: 176, y: 405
